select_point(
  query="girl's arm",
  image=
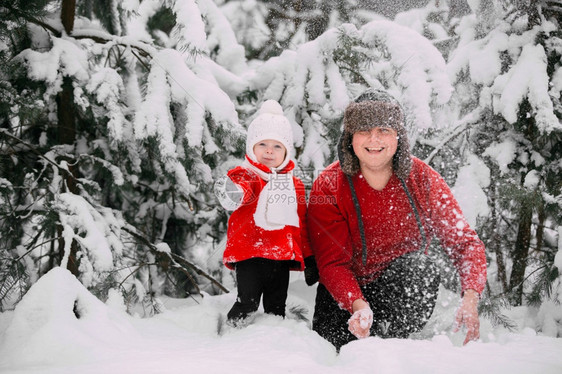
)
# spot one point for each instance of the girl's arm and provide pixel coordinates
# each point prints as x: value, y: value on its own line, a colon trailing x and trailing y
x: 240, y: 186
x: 229, y: 194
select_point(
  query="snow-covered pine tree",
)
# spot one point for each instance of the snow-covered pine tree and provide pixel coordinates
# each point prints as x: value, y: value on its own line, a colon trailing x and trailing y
x: 267, y: 28
x: 431, y: 21
x: 316, y: 81
x: 507, y: 68
x: 109, y: 141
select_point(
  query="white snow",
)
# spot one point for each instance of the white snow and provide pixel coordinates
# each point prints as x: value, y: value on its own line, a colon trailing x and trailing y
x: 502, y: 153
x: 64, y: 58
x: 95, y: 232
x: 532, y: 180
x: 44, y: 335
x: 418, y: 19
x: 189, y: 28
x: 526, y: 78
x: 558, y: 256
x: 108, y: 88
x: 517, y: 84
x: 230, y: 54
x: 472, y: 177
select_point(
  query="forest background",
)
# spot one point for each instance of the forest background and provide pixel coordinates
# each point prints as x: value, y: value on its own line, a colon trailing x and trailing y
x: 116, y: 117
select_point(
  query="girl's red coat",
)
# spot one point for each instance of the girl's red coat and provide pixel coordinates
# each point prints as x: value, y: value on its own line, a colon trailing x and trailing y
x: 245, y: 240
x: 391, y: 229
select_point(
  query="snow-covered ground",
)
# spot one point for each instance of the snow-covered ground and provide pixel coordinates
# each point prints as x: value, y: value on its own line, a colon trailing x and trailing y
x: 43, y: 335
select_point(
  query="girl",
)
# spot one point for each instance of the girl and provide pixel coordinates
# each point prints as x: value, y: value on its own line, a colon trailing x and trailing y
x: 266, y: 235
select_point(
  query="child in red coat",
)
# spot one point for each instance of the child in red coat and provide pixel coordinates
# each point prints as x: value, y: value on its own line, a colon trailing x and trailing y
x: 266, y: 235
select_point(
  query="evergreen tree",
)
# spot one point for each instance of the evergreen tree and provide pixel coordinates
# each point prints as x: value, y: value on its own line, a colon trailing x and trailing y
x: 110, y: 140
x: 267, y: 28
x: 316, y: 82
x: 506, y: 69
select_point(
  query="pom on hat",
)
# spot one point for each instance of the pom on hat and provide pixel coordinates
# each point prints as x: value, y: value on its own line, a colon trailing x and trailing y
x: 271, y: 107
x: 270, y: 123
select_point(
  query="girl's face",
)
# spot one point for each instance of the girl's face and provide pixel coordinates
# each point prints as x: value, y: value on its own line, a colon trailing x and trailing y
x: 270, y: 153
x: 375, y: 148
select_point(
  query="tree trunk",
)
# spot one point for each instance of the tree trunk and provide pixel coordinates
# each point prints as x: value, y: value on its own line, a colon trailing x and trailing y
x: 495, y: 240
x: 68, y: 9
x: 66, y: 132
x: 521, y: 252
x: 67, y: 129
x: 539, y: 236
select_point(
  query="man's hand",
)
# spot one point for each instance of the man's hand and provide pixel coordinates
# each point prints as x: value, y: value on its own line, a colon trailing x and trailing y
x: 360, y: 322
x: 467, y: 315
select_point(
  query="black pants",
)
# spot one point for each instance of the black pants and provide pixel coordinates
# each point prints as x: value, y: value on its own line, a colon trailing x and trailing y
x: 256, y: 277
x: 402, y: 300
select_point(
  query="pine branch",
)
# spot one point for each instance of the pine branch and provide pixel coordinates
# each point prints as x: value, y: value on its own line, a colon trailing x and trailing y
x: 543, y: 284
x: 39, y: 154
x: 461, y: 126
x: 12, y: 274
x: 144, y: 49
x: 28, y: 14
x: 178, y: 262
x: 491, y: 307
x: 95, y: 35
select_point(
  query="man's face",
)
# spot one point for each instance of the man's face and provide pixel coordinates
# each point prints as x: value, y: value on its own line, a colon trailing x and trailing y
x: 376, y: 147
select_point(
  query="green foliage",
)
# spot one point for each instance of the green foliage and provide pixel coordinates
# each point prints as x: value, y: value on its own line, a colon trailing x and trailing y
x: 491, y: 308
x: 105, y: 11
x: 13, y: 279
x: 542, y: 282
x: 163, y: 20
x: 351, y: 55
x: 531, y: 176
x: 55, y: 196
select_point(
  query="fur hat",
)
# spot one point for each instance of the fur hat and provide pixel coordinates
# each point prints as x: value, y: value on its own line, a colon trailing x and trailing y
x: 371, y: 109
x: 270, y: 123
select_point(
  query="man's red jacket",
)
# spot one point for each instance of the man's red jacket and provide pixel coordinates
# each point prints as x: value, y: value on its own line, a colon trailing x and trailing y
x: 391, y: 229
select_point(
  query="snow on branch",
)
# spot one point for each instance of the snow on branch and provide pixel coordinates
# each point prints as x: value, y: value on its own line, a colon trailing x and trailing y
x: 171, y: 81
x: 100, y: 36
x: 509, y: 66
x: 310, y: 72
x: 318, y: 74
x: 382, y: 53
x: 274, y: 75
x: 481, y: 58
x: 189, y: 28
x: 171, y: 77
x: 97, y: 230
x: 230, y: 53
x: 414, y: 67
x: 517, y: 84
x: 65, y: 58
x: 107, y: 86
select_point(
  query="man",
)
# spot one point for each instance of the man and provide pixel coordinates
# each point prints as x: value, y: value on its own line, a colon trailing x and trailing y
x: 371, y: 216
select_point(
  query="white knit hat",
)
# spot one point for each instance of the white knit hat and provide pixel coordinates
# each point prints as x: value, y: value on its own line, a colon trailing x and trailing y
x: 270, y: 124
